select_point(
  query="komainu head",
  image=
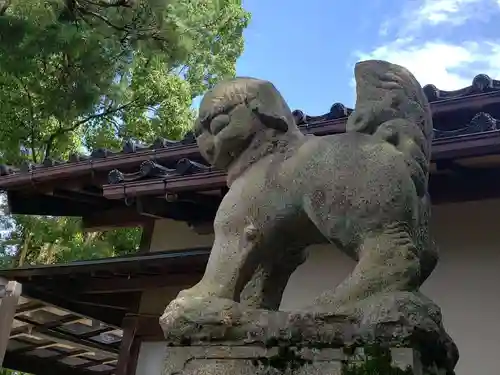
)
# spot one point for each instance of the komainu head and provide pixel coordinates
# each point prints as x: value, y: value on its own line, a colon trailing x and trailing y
x: 234, y: 112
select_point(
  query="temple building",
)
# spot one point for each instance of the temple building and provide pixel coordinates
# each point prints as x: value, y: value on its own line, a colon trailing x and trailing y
x: 101, y: 316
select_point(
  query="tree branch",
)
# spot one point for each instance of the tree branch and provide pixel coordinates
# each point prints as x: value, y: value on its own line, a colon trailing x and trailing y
x: 112, y: 4
x: 52, y: 138
x: 31, y: 111
x: 148, y: 32
x: 103, y: 19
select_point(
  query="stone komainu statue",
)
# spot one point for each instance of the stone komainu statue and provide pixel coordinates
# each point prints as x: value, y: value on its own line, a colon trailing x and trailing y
x: 364, y: 191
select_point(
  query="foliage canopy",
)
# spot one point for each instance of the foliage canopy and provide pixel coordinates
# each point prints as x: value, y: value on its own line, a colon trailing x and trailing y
x: 83, y: 74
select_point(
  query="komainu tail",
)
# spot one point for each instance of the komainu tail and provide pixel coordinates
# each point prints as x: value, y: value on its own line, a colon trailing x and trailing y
x: 391, y: 105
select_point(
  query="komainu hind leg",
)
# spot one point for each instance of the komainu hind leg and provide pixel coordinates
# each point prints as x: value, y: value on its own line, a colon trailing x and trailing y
x: 389, y: 261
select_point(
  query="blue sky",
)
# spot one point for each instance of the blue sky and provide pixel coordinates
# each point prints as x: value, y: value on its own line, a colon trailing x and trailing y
x: 308, y: 48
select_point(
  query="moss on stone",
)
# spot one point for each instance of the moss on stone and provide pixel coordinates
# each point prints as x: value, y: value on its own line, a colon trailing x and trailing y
x: 376, y: 361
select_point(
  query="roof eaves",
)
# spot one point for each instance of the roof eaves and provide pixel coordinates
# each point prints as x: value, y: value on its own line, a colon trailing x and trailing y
x: 458, y: 145
x: 132, y: 260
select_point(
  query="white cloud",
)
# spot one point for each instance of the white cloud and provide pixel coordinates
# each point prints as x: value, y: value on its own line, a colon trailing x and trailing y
x: 384, y: 28
x: 441, y: 12
x: 445, y: 11
x: 448, y: 66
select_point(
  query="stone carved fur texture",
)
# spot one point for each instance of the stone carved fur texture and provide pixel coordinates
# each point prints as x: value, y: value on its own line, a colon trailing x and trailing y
x: 364, y: 191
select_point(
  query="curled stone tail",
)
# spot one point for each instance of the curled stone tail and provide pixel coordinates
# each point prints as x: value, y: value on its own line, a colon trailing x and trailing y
x: 391, y: 106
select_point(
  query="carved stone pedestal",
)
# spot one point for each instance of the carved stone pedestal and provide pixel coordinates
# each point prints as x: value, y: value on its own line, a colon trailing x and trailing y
x: 223, y: 337
x: 255, y: 360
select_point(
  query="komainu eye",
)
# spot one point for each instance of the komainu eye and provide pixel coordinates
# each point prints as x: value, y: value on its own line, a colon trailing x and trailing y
x: 219, y: 123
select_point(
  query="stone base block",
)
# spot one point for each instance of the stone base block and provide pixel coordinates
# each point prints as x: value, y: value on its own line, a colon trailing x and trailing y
x: 215, y: 336
x: 248, y: 360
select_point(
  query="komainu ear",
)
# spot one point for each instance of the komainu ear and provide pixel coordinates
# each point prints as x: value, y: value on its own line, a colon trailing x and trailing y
x: 268, y: 116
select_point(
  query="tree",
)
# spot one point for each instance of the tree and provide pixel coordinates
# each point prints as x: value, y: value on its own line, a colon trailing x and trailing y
x: 81, y: 74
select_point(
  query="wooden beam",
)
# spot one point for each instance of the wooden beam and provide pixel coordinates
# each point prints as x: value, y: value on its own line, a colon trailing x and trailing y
x: 33, y: 347
x: 125, y: 217
x: 144, y: 211
x: 146, y: 237
x: 129, y: 348
x: 95, y: 362
x: 39, y: 204
x: 203, y: 228
x: 156, y: 187
x: 126, y: 285
x: 68, y: 319
x: 36, y: 365
x: 465, y: 185
x: 108, y: 316
x: 54, y: 334
x: 96, y: 332
x: 113, y: 301
x: 81, y: 184
x: 201, y: 209
x: 47, y: 279
x: 130, y: 345
x: 149, y: 329
x: 29, y: 307
x: 73, y: 354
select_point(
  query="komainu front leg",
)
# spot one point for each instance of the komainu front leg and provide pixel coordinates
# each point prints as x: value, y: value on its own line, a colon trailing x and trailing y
x: 266, y: 287
x: 389, y: 261
x: 232, y: 261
